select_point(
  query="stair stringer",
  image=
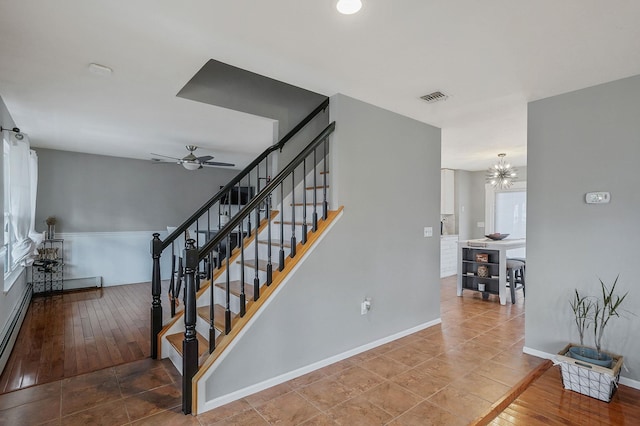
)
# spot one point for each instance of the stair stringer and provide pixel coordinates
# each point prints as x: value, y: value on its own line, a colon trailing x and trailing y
x: 280, y: 280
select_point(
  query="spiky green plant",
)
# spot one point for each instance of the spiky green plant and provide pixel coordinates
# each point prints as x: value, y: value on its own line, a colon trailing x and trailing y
x: 604, y: 309
x: 581, y: 306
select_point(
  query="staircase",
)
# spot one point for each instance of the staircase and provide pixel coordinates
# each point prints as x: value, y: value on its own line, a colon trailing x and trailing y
x: 225, y: 287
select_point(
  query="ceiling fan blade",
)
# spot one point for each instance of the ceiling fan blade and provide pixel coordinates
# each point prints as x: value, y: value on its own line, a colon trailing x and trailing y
x: 165, y: 156
x: 218, y: 163
x: 159, y: 161
x: 204, y: 158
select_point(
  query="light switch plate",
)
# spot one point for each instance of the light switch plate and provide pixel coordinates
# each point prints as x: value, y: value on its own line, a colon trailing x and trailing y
x: 597, y: 197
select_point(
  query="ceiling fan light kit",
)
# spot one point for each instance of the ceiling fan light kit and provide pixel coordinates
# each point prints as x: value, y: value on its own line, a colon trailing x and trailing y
x: 191, y: 162
x: 191, y: 165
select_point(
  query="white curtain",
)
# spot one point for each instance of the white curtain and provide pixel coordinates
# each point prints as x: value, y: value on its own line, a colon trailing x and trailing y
x: 23, y: 169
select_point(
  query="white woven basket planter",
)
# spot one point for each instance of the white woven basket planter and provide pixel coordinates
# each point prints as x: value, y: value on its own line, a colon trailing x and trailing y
x: 589, y: 379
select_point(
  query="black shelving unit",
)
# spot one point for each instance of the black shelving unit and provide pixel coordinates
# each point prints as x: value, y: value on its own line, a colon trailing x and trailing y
x: 470, y: 277
x: 47, y: 272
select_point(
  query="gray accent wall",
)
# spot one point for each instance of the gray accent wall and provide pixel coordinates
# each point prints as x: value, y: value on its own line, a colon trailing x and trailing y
x: 217, y: 83
x: 580, y: 142
x: 96, y: 193
x: 385, y: 171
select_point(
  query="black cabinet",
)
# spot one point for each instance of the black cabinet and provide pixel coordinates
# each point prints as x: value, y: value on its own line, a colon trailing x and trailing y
x: 480, y: 267
x: 47, y: 271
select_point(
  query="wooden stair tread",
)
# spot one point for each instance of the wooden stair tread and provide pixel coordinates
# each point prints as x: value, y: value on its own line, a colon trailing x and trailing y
x: 218, y: 315
x: 311, y: 188
x: 234, y: 288
x: 176, y: 342
x: 286, y: 244
x: 262, y: 264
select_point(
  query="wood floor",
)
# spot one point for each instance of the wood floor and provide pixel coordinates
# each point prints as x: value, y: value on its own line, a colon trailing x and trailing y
x: 68, y: 334
x: 545, y: 402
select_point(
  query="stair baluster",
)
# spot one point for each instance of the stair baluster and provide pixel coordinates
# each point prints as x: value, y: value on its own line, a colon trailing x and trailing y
x: 304, y: 202
x: 243, y: 296
x: 172, y: 284
x: 227, y: 312
x: 292, y: 253
x: 314, y: 225
x: 281, y: 258
x: 256, y: 278
x: 156, y: 290
x: 212, y: 328
x: 190, y: 343
x: 325, y: 204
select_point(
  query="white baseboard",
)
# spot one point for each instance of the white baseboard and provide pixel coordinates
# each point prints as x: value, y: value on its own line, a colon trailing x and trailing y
x: 78, y: 283
x: 225, y: 399
x: 545, y: 355
x: 12, y: 328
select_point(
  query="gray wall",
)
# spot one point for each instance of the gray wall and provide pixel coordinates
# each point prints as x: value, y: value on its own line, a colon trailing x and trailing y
x: 90, y: 193
x: 217, y: 83
x: 581, y: 142
x: 371, y: 252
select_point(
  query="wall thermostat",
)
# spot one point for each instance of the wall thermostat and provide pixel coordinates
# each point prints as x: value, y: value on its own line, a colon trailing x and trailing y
x: 597, y: 197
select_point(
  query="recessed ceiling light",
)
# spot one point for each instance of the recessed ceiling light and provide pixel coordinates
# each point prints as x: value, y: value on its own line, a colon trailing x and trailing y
x: 348, y: 7
x: 100, y: 69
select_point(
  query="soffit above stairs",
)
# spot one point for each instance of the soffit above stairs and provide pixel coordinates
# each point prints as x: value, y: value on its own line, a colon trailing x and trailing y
x: 224, y: 85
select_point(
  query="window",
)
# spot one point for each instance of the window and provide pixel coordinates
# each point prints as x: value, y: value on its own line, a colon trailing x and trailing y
x: 506, y: 212
x: 20, y: 176
x: 511, y: 213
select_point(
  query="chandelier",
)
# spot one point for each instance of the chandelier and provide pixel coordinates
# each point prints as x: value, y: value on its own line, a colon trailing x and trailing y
x: 501, y: 175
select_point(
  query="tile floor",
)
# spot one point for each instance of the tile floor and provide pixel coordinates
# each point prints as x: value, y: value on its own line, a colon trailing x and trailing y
x: 448, y: 374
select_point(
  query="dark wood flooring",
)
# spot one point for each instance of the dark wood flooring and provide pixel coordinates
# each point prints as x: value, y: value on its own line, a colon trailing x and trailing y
x: 68, y: 334
x: 546, y: 402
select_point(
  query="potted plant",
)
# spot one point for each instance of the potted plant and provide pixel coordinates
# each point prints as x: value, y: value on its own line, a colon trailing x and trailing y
x: 596, y: 312
x: 592, y: 371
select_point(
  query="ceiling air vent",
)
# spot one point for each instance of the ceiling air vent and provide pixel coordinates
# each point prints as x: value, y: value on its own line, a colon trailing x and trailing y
x: 434, y: 97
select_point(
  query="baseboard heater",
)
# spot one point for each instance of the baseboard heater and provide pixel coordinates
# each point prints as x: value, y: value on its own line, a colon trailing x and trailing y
x: 12, y: 327
x: 78, y: 283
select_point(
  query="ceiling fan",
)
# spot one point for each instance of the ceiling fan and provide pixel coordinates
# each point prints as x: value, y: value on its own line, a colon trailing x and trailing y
x: 191, y: 162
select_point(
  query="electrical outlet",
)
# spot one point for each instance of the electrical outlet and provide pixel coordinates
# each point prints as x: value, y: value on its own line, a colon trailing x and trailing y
x: 428, y: 231
x: 480, y: 224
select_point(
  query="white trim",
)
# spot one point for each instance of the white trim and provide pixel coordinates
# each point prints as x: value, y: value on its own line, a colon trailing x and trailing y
x: 13, y: 276
x: 225, y: 399
x: 545, y: 355
x: 537, y: 353
x: 13, y: 325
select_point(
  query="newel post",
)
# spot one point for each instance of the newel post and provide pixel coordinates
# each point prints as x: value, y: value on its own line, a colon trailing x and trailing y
x: 190, y: 342
x: 156, y: 290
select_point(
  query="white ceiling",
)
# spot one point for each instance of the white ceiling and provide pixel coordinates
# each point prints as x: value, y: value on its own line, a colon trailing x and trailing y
x: 491, y: 57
